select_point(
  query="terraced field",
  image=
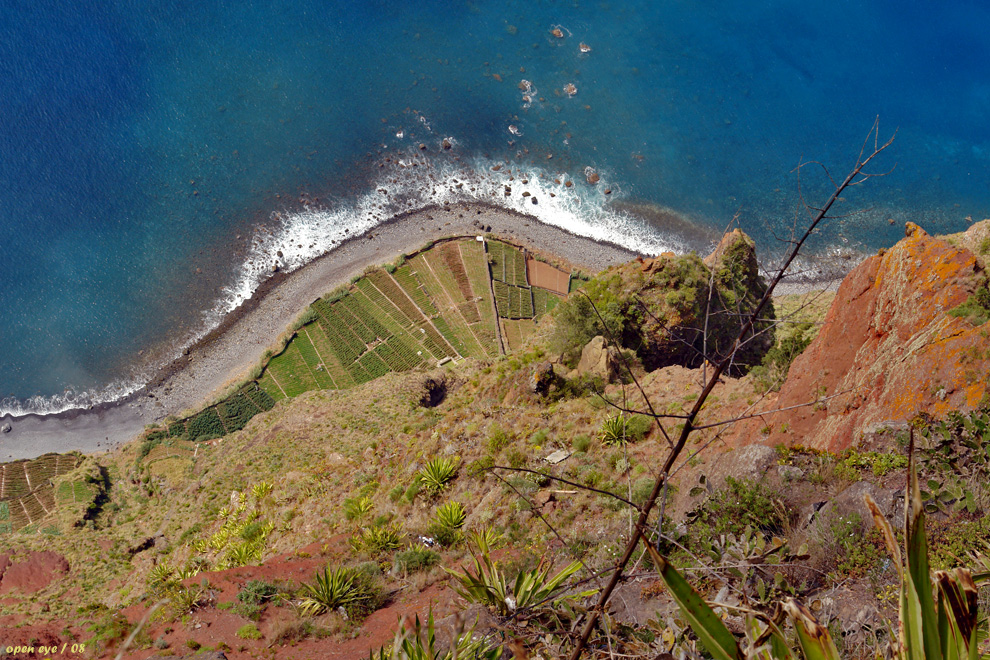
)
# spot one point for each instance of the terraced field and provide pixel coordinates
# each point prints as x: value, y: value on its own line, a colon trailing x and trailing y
x: 447, y: 302
x: 27, y: 494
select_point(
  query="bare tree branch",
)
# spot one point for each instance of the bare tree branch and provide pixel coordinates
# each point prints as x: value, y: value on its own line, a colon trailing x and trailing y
x: 724, y: 363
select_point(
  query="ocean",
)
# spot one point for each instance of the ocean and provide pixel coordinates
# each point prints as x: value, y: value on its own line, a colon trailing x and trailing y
x: 157, y: 159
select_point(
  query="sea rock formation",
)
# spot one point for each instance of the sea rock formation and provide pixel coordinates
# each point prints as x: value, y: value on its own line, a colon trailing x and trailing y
x: 888, y: 350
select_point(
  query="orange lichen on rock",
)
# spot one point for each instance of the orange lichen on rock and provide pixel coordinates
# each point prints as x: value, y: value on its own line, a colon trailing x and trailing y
x: 888, y: 349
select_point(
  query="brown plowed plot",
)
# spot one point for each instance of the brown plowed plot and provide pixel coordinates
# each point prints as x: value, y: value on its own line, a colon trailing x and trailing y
x: 546, y: 276
x: 451, y: 256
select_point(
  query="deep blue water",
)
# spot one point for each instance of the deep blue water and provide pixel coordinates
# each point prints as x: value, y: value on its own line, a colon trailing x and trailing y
x: 143, y: 144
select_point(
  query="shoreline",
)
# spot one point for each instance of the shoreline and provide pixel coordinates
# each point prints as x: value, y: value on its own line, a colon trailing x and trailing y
x: 226, y: 355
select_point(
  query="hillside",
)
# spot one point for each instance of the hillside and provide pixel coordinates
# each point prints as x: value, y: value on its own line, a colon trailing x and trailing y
x: 454, y: 394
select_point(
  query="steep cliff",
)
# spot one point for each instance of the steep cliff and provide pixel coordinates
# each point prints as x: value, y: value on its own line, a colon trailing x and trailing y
x: 889, y: 349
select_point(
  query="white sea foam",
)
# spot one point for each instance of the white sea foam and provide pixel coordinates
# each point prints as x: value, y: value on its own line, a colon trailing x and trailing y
x: 408, y: 182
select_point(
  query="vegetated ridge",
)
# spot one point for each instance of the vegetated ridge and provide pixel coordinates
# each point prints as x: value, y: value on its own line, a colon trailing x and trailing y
x: 299, y: 523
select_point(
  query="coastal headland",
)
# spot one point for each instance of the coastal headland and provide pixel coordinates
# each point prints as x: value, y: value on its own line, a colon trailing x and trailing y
x: 226, y: 354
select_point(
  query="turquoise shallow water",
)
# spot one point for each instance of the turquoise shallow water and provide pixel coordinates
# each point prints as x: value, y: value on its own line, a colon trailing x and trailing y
x: 156, y: 157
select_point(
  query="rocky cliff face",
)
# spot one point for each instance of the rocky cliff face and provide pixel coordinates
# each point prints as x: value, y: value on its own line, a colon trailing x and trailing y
x: 888, y: 350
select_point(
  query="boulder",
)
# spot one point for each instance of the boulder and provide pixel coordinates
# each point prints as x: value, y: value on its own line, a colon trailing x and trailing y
x: 750, y: 462
x: 543, y: 378
x: 599, y: 359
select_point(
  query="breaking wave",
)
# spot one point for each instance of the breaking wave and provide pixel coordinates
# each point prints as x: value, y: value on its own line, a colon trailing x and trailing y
x: 407, y: 182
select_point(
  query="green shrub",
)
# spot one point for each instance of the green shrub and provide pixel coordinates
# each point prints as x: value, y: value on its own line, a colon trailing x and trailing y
x: 256, y: 592
x: 581, y: 443
x: 953, y: 540
x: 357, y: 508
x: 620, y: 429
x: 976, y: 308
x: 415, y: 559
x: 771, y: 373
x: 497, y: 439
x: 878, y: 463
x: 330, y: 589
x: 739, y: 504
x: 379, y: 538
x: 248, y: 631
x: 451, y: 515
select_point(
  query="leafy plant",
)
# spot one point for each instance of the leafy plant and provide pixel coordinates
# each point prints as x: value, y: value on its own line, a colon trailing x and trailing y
x: 613, y: 431
x: 261, y: 491
x: 620, y: 429
x: 419, y: 642
x: 488, y: 585
x: 248, y: 631
x: 930, y: 628
x: 445, y: 527
x: 379, y: 539
x: 451, y: 515
x: 330, y: 589
x: 355, y: 509
x: 739, y: 504
x: 437, y: 474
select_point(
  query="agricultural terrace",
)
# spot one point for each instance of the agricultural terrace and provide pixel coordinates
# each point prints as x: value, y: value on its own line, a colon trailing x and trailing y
x: 458, y: 298
x: 27, y: 490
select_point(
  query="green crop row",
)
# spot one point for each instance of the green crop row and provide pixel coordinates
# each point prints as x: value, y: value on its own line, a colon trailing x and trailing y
x: 410, y: 284
x: 544, y: 301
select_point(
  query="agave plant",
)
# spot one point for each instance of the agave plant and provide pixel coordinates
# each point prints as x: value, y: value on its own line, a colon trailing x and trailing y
x: 613, y: 431
x: 419, y: 642
x: 261, y: 491
x: 242, y: 554
x: 355, y: 509
x: 489, y: 537
x: 330, y: 589
x: 379, y: 539
x: 936, y: 622
x: 489, y: 585
x: 451, y: 515
x: 161, y: 573
x: 437, y: 474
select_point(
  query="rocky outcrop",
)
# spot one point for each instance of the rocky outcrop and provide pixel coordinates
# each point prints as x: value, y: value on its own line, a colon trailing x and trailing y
x: 888, y: 349
x: 675, y: 309
x: 598, y: 359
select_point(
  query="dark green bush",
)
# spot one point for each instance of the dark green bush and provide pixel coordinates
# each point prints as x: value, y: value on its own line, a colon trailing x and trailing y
x: 771, y: 373
x: 258, y: 591
x: 739, y: 504
x: 416, y: 559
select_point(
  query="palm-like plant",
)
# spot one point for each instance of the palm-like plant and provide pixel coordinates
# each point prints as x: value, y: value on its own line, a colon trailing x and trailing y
x: 451, y: 515
x: 379, y: 539
x: 437, y: 474
x: 355, y: 509
x: 489, y: 585
x: 330, y: 589
x: 613, y: 431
